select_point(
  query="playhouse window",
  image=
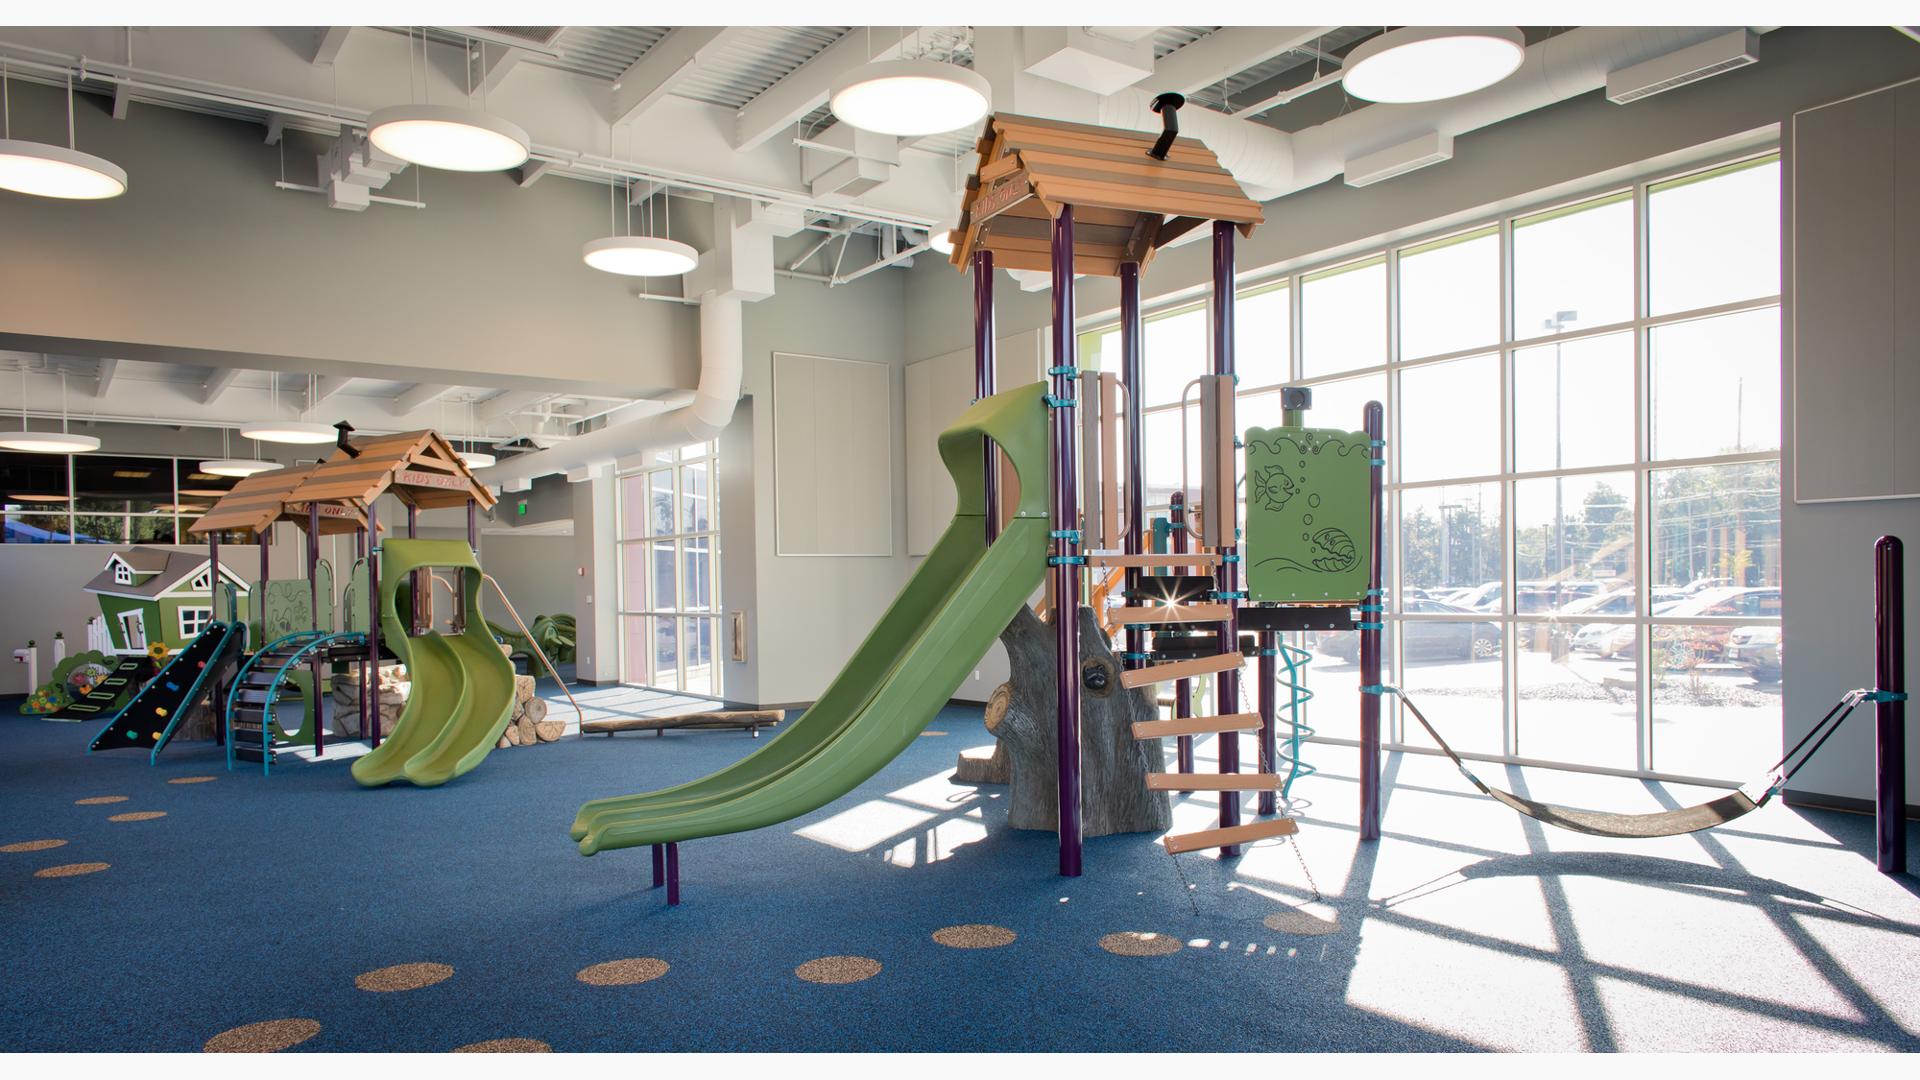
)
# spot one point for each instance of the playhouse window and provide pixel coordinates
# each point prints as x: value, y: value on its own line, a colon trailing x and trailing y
x: 122, y: 574
x: 202, y: 581
x: 194, y: 619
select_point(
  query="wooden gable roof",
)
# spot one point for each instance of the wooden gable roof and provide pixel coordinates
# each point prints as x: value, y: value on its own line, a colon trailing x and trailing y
x: 256, y: 502
x: 420, y: 467
x: 1126, y: 203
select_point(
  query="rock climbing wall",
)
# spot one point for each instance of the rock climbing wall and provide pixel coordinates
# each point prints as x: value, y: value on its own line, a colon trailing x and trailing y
x: 1306, y: 528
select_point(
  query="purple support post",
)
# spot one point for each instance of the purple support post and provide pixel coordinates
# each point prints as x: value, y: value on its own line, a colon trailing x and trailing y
x: 1269, y: 758
x: 1131, y: 374
x: 413, y: 577
x: 460, y: 583
x: 369, y: 683
x: 659, y: 865
x: 319, y: 702
x: 1066, y: 524
x: 1227, y: 578
x: 1370, y: 640
x: 1890, y: 714
x: 213, y: 585
x: 1182, y: 688
x: 266, y: 541
x: 673, y: 874
x: 984, y: 374
x: 373, y: 621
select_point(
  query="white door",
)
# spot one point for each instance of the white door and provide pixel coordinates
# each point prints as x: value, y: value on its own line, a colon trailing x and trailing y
x: 133, y: 629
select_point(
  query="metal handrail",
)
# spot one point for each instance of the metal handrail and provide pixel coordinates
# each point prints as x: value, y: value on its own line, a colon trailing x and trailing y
x: 538, y: 651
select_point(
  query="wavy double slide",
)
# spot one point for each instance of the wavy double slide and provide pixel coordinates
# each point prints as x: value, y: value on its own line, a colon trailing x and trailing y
x: 943, y: 621
x: 462, y: 685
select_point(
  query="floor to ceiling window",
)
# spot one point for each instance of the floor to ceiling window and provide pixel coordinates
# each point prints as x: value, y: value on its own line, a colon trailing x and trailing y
x: 103, y: 498
x: 669, y: 572
x: 1583, y: 417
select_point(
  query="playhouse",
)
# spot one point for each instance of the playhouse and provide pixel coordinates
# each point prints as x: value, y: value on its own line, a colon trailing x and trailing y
x: 150, y: 596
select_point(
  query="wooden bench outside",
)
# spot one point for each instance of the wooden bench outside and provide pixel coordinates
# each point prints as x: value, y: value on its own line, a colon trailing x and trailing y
x: 751, y: 719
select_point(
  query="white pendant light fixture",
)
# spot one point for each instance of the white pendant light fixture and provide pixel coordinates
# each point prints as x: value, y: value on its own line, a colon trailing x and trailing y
x: 1430, y: 63
x: 55, y: 172
x: 232, y: 466
x: 46, y: 442
x: 452, y: 137
x: 297, y: 432
x: 640, y: 256
x: 921, y: 96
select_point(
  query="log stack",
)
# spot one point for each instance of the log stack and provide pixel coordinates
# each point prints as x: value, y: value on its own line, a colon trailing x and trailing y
x: 529, y: 724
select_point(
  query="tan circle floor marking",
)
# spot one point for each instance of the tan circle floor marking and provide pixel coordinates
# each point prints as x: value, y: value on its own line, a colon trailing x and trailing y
x: 388, y: 980
x: 33, y: 845
x: 505, y: 1046
x: 1297, y: 921
x: 1138, y: 943
x: 639, y: 969
x: 838, y: 969
x: 265, y: 1037
x: 139, y: 815
x: 193, y: 779
x: 100, y: 800
x: 71, y: 869
x: 974, y: 936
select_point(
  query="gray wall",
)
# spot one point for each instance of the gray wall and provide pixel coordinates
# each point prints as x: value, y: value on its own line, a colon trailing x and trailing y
x: 204, y: 254
x: 1845, y: 184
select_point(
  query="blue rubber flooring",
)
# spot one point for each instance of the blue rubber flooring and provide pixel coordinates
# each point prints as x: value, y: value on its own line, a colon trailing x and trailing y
x: 1465, y: 928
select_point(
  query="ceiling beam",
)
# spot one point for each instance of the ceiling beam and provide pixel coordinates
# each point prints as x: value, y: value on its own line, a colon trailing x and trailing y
x: 809, y: 85
x: 509, y: 401
x: 327, y: 49
x: 418, y: 396
x: 656, y: 73
x: 328, y: 385
x: 532, y: 171
x: 103, y: 377
x: 490, y: 64
x: 218, y: 383
x: 1225, y: 52
x: 122, y: 97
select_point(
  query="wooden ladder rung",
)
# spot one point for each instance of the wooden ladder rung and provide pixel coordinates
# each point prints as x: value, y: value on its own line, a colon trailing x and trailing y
x: 1237, y: 834
x: 1181, y: 669
x: 1151, y: 561
x: 1196, y: 725
x: 1173, y: 613
x: 1190, y: 781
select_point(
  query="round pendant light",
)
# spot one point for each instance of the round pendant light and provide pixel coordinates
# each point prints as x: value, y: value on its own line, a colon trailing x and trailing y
x: 55, y: 172
x: 911, y: 97
x: 448, y: 137
x: 49, y: 442
x: 940, y: 237
x: 640, y: 256
x: 238, y: 466
x: 1430, y: 63
x: 58, y: 172
x: 474, y: 459
x: 298, y: 432
x: 206, y: 493
x: 36, y: 498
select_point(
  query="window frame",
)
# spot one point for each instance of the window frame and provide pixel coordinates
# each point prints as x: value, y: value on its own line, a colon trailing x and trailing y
x: 671, y: 463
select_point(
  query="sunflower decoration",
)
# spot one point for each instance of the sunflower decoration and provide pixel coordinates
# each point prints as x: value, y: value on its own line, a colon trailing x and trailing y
x: 158, y: 650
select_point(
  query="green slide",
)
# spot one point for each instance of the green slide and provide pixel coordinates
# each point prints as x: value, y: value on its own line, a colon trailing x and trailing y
x: 462, y: 685
x: 946, y: 617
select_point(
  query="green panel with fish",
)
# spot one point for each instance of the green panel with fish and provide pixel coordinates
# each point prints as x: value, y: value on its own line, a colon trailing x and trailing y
x: 1307, y: 540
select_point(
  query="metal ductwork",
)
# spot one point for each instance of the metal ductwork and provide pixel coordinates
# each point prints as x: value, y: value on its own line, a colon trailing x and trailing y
x: 722, y: 355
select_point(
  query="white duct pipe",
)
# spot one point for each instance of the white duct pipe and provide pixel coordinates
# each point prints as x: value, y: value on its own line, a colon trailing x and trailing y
x: 722, y: 356
x: 1562, y: 67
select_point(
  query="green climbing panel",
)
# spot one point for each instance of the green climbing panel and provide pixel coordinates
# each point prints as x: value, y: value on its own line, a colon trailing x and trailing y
x: 1306, y: 535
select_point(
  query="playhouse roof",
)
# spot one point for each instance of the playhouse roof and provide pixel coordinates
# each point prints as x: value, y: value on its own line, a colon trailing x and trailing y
x: 420, y: 467
x: 1126, y: 204
x: 257, y: 501
x: 168, y: 569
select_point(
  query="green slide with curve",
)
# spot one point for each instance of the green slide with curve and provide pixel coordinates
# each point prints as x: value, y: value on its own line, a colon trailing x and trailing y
x: 943, y: 621
x: 462, y: 685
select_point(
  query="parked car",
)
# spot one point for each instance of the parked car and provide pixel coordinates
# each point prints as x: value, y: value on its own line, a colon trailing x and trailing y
x: 1425, y: 640
x: 1537, y: 596
x: 1483, y: 597
x: 1757, y: 650
x: 1678, y: 647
